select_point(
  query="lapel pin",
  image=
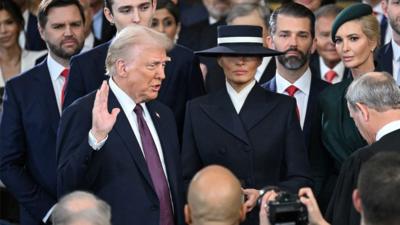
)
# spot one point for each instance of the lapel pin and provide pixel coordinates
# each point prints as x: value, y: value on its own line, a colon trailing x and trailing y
x: 158, y: 115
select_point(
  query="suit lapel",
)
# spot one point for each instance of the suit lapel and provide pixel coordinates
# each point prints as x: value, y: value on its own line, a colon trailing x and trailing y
x: 312, y: 98
x: 256, y: 107
x: 44, y: 86
x: 388, y: 54
x: 163, y: 133
x: 222, y: 112
x: 124, y: 130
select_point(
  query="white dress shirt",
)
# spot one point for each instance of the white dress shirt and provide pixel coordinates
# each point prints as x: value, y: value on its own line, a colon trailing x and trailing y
x: 396, y: 61
x: 261, y: 68
x: 302, y: 95
x: 238, y: 98
x: 339, y: 69
x: 57, y: 80
x: 388, y: 128
x: 127, y: 105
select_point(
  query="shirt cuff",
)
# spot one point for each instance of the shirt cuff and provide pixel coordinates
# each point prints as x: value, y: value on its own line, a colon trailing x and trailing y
x: 93, y: 142
x: 47, y: 216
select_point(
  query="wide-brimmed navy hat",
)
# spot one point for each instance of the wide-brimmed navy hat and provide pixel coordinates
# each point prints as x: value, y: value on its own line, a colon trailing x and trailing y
x: 239, y: 40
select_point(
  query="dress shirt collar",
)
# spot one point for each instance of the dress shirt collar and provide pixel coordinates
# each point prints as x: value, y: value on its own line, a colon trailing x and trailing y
x: 303, y: 83
x: 388, y: 128
x: 238, y: 98
x: 55, y: 68
x: 339, y: 69
x: 396, y: 51
x: 212, y: 20
x: 261, y: 68
x: 126, y: 102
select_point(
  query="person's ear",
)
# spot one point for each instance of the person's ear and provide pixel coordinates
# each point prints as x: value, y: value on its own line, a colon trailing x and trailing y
x: 41, y: 31
x: 357, y: 201
x: 270, y: 42
x: 313, y: 45
x: 188, y: 216
x: 121, y: 68
x: 243, y: 213
x: 109, y: 16
x: 384, y: 5
x: 363, y: 109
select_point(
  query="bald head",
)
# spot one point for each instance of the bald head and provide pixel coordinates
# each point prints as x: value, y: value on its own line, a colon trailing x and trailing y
x: 214, y: 196
x: 81, y: 208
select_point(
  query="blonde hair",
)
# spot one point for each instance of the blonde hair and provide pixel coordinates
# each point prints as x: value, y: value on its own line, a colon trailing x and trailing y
x: 131, y: 36
x: 370, y: 27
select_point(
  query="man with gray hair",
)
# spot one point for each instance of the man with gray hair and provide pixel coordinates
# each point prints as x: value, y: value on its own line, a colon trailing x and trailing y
x: 374, y: 104
x: 122, y: 144
x: 79, y: 207
x: 215, y: 197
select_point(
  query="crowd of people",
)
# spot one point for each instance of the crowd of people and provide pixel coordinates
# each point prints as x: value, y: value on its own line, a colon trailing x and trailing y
x: 198, y: 112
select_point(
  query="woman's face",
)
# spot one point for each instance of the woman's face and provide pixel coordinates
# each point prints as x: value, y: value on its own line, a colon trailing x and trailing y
x: 164, y: 22
x: 239, y: 70
x: 353, y: 46
x: 9, y: 30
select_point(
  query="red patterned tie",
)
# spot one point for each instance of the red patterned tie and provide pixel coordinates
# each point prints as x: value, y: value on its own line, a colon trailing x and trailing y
x: 64, y: 74
x: 330, y: 75
x: 155, y: 168
x: 291, y: 90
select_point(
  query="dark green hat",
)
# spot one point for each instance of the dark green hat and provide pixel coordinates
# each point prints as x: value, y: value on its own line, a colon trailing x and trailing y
x: 350, y: 13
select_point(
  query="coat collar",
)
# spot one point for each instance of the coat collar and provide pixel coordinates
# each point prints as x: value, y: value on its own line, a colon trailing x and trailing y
x: 259, y: 103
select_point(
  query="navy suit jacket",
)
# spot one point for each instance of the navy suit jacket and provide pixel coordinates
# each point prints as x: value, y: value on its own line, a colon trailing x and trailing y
x: 384, y: 58
x: 312, y: 113
x: 117, y: 173
x: 183, y: 78
x: 262, y: 145
x: 28, y: 134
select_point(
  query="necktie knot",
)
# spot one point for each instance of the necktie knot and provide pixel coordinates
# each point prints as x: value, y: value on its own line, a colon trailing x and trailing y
x: 330, y: 75
x: 138, y: 110
x: 65, y: 73
x: 291, y: 90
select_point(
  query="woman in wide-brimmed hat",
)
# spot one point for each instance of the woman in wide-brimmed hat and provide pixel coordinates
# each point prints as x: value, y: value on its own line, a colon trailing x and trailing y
x: 253, y: 132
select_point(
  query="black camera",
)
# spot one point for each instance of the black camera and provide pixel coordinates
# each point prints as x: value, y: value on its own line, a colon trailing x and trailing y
x: 287, y: 209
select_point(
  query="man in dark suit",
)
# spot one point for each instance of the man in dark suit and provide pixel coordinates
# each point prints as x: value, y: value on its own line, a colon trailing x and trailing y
x: 292, y: 32
x: 325, y: 63
x: 378, y: 121
x: 31, y: 113
x: 388, y: 56
x: 183, y: 77
x: 129, y: 157
x: 245, y: 14
x: 236, y: 127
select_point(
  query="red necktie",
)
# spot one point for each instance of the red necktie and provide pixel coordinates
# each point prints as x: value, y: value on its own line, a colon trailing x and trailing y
x: 291, y: 90
x: 330, y: 75
x: 155, y: 168
x: 64, y: 74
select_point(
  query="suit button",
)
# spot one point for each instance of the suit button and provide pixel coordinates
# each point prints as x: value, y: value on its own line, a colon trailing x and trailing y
x: 222, y: 151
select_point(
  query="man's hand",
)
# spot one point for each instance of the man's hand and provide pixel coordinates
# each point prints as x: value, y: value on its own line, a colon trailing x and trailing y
x: 102, y: 120
x: 314, y: 214
x: 252, y: 196
x: 268, y: 196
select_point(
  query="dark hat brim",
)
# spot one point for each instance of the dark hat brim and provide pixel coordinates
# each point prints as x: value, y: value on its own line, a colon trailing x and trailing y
x: 238, y: 51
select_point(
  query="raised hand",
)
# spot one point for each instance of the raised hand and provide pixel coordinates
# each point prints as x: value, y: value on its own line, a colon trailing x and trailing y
x: 102, y: 120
